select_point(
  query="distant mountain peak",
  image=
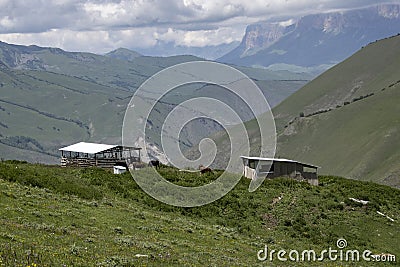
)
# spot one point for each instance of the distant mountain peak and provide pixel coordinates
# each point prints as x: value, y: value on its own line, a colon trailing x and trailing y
x: 123, y: 54
x: 260, y: 36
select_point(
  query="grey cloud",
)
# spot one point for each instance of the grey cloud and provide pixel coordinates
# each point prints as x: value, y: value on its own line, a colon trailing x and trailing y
x: 40, y: 16
x: 37, y: 16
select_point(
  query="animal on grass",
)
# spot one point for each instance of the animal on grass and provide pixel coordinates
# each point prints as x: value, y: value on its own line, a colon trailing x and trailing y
x: 205, y: 170
x: 154, y: 163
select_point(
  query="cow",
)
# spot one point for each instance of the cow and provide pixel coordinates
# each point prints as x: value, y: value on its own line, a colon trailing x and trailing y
x: 204, y: 170
x: 154, y: 163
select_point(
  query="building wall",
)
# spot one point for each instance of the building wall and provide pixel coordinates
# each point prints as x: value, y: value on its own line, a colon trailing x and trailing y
x: 311, y: 177
x: 282, y: 169
x: 91, y: 162
x: 249, y: 172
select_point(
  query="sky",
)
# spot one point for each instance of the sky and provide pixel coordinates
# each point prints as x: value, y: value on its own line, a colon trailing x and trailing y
x: 104, y: 25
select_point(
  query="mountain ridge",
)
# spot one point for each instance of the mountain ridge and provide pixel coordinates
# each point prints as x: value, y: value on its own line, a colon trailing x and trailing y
x: 209, y: 52
x: 124, y: 54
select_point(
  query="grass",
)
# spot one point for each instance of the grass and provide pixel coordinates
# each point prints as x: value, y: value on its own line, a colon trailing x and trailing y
x: 53, y: 216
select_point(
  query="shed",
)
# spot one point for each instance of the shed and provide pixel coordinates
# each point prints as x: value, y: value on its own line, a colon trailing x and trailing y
x: 119, y: 169
x: 256, y: 167
x: 85, y: 154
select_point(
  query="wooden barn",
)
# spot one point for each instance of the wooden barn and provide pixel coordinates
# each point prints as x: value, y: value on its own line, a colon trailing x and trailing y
x: 255, y: 167
x: 84, y: 154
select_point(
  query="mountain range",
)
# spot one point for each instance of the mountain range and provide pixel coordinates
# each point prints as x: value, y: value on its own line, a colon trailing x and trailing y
x: 209, y: 52
x: 51, y: 98
x: 314, y: 43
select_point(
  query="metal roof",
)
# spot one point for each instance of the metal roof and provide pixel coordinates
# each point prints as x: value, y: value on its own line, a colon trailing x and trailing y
x: 90, y: 148
x: 280, y: 160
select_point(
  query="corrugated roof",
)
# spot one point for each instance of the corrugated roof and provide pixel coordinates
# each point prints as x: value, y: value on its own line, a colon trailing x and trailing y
x: 281, y: 160
x: 90, y: 148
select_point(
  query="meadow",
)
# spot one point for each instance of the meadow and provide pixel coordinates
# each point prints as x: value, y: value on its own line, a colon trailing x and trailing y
x: 53, y: 216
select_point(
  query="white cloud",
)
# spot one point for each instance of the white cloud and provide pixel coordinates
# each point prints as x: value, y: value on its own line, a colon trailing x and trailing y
x: 6, y: 23
x: 89, y: 41
x: 200, y: 38
x: 104, y: 41
x: 287, y: 22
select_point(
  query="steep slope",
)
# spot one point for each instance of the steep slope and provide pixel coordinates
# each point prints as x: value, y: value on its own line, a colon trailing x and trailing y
x: 368, y: 71
x: 346, y: 120
x: 359, y: 136
x: 314, y: 42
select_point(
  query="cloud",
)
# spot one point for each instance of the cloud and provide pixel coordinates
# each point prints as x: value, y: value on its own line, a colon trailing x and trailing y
x: 102, y: 41
x: 38, y: 16
x: 106, y: 24
x: 200, y: 38
x: 20, y: 16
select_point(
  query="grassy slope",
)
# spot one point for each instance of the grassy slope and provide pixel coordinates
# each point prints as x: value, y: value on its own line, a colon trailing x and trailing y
x: 57, y: 110
x: 58, y: 98
x: 369, y: 70
x: 87, y: 217
x: 359, y: 140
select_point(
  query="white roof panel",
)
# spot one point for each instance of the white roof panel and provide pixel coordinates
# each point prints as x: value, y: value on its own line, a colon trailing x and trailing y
x: 90, y: 148
x: 268, y: 159
x: 282, y: 160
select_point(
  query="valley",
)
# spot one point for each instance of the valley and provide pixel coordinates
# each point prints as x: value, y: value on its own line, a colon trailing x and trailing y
x: 54, y: 98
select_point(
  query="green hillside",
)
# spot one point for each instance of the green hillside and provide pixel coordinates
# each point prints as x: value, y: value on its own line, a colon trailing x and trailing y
x: 53, y: 216
x: 346, y: 120
x: 360, y: 140
x: 368, y: 71
x: 40, y: 111
x: 356, y: 130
